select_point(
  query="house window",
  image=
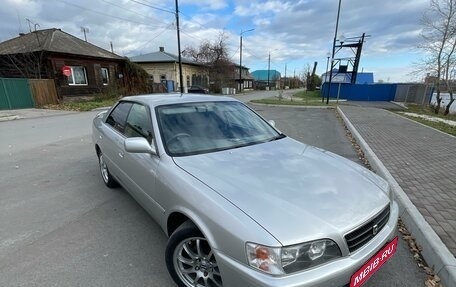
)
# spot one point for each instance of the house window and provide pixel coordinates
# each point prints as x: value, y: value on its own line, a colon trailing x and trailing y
x: 188, y: 81
x: 162, y: 78
x: 78, y: 76
x: 151, y: 78
x: 105, y: 76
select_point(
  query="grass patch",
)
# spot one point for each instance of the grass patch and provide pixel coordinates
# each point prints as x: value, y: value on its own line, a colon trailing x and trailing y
x: 437, y: 125
x: 418, y: 109
x: 303, y: 98
x: 311, y: 95
x: 428, y: 111
x: 82, y: 105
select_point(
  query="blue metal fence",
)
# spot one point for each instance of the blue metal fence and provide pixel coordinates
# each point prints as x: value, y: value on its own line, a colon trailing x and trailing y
x: 356, y: 92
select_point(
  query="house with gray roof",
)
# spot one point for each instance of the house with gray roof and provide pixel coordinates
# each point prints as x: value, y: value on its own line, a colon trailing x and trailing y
x: 163, y: 67
x: 77, y: 67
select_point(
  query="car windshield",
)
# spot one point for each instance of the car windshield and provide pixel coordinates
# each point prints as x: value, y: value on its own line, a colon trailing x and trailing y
x: 203, y: 127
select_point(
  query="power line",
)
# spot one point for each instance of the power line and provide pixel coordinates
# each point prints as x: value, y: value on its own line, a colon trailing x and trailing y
x: 252, y: 54
x: 107, y: 15
x: 194, y: 21
x: 234, y: 54
x: 168, y: 11
x: 130, y: 10
x: 154, y: 7
x: 193, y: 36
x: 273, y: 64
x: 156, y: 36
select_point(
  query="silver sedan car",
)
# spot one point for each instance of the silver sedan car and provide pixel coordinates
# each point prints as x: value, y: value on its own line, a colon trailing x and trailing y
x: 243, y: 204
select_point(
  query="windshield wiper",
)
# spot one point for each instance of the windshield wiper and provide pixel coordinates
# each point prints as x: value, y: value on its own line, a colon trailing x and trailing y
x: 277, y: 137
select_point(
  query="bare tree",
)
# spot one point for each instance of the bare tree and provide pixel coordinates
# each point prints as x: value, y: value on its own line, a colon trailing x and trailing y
x: 27, y: 64
x: 439, y: 33
x: 448, y: 73
x: 215, y: 56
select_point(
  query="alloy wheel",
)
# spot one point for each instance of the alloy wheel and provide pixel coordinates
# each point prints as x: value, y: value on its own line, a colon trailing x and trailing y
x: 195, y: 263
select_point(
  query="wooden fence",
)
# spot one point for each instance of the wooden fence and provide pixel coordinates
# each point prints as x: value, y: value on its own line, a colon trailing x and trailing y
x: 43, y: 92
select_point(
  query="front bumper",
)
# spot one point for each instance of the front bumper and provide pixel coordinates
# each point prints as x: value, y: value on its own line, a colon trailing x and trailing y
x: 333, y: 274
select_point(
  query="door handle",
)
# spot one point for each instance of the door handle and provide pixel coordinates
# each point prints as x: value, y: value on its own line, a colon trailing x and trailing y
x: 121, y: 154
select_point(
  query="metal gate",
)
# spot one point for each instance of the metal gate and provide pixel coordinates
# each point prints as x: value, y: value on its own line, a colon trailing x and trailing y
x: 15, y: 94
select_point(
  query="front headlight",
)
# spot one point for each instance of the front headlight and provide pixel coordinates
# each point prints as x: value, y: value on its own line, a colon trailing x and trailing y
x: 284, y: 260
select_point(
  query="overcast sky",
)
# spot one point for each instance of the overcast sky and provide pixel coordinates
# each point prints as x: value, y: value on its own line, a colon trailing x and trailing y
x: 296, y: 33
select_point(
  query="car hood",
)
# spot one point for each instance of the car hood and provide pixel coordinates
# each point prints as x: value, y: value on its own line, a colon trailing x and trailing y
x: 296, y: 192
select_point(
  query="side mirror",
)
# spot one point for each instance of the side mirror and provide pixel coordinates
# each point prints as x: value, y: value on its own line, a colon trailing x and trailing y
x: 138, y: 145
x: 272, y: 123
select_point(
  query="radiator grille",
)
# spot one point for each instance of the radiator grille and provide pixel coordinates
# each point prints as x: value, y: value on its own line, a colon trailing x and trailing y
x: 360, y: 236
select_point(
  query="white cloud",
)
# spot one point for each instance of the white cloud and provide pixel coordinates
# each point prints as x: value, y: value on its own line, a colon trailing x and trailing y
x: 262, y: 21
x: 298, y: 32
x: 254, y: 8
x: 207, y: 4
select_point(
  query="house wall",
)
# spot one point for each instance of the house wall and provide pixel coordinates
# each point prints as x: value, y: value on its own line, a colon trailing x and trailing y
x: 93, y: 70
x: 171, y: 71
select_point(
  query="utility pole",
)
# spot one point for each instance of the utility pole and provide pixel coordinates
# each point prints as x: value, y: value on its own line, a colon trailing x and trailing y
x: 240, y: 65
x: 294, y: 78
x: 326, y: 75
x: 269, y: 68
x: 181, y: 78
x: 285, y: 82
x: 240, y: 59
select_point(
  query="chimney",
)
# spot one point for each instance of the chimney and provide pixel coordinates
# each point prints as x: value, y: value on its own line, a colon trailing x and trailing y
x: 162, y: 49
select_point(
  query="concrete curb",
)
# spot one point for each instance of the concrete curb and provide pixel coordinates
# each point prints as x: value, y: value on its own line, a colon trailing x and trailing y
x: 435, y: 252
x: 9, y: 118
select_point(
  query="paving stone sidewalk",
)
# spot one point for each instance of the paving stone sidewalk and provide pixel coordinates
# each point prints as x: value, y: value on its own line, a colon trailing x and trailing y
x: 422, y: 161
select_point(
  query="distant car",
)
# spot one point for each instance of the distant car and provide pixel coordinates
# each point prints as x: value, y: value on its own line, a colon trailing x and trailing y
x: 198, y: 90
x: 243, y: 204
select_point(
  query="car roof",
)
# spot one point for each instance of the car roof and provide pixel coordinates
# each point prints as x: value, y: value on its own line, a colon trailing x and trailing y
x: 154, y: 100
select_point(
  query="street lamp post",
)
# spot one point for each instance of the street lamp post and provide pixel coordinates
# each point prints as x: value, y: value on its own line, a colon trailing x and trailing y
x: 181, y: 77
x: 326, y: 73
x: 240, y: 60
x: 269, y: 68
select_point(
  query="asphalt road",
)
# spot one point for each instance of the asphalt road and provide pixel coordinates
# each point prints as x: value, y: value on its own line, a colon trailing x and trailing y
x: 60, y: 226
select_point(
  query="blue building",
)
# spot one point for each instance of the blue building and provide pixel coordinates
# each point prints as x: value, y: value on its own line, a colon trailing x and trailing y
x: 263, y: 78
x: 361, y: 78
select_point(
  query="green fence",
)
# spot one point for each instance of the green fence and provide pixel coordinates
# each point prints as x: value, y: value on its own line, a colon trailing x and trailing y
x: 15, y: 94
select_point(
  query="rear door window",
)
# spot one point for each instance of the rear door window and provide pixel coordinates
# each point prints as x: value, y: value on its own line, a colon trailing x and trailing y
x: 118, y: 117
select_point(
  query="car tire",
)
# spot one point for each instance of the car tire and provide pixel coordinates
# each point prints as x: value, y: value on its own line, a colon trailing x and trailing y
x: 105, y: 174
x: 188, y: 250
